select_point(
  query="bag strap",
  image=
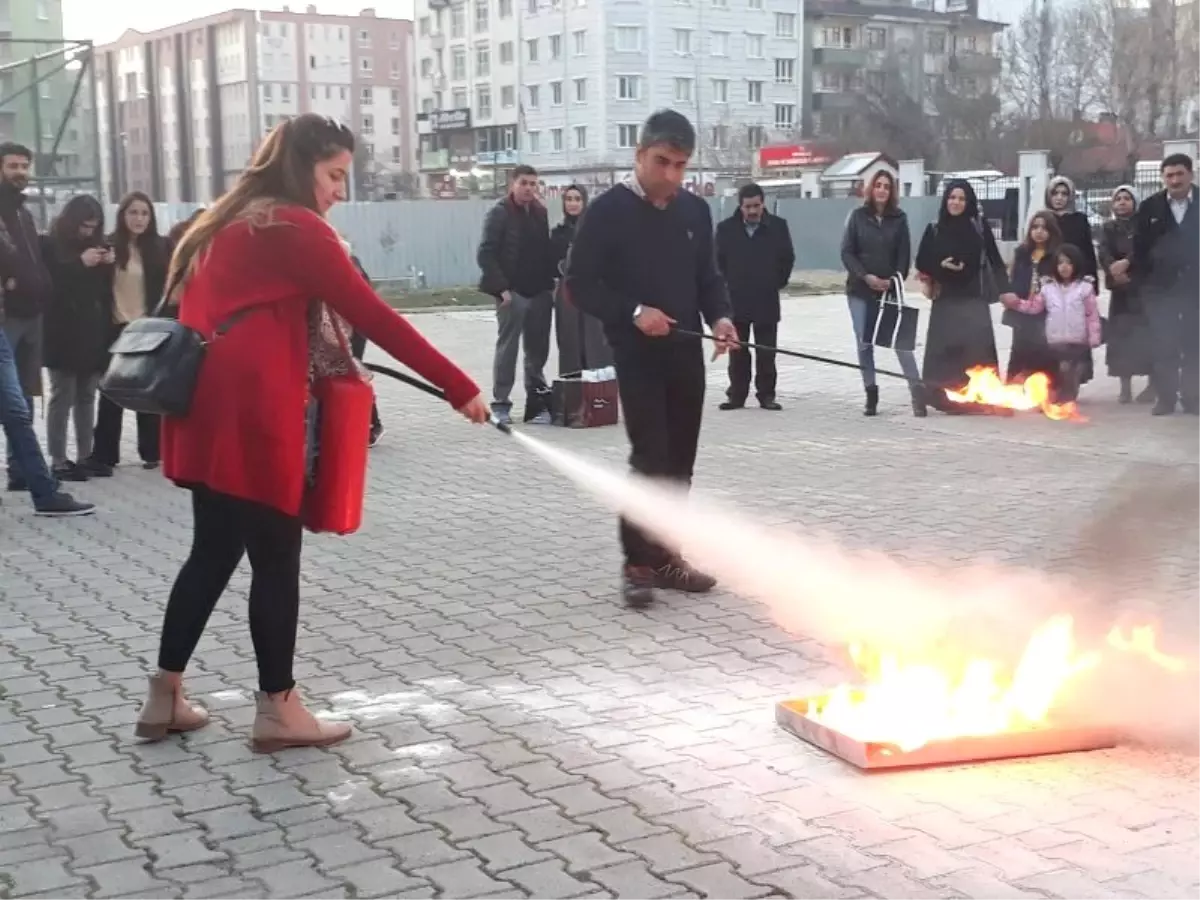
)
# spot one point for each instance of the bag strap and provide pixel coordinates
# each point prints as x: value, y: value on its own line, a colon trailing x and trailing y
x: 896, y: 289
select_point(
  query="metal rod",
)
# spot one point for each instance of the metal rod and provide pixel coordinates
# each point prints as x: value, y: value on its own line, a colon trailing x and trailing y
x: 795, y: 353
x: 40, y: 57
x: 427, y: 388
x: 33, y: 83
x: 89, y: 62
x: 66, y: 117
x: 37, y: 136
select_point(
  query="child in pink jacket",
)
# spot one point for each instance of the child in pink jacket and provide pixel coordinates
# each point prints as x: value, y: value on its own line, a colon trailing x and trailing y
x: 1072, y: 317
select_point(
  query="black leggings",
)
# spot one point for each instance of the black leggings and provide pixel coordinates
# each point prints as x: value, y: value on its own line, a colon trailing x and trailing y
x: 224, y: 529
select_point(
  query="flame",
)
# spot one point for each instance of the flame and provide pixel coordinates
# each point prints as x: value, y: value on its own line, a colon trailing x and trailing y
x: 910, y: 703
x: 985, y: 387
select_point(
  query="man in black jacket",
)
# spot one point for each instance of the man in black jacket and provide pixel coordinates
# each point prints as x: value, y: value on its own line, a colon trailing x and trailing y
x: 24, y: 279
x: 1166, y: 270
x: 755, y: 254
x: 643, y: 261
x: 517, y: 265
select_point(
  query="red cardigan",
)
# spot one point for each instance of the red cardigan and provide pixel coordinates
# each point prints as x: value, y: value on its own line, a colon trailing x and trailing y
x: 245, y: 432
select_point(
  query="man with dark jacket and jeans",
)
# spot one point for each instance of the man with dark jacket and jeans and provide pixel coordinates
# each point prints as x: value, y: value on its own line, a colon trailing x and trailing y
x: 643, y: 261
x: 516, y: 261
x: 1166, y: 270
x: 755, y: 254
x: 24, y: 279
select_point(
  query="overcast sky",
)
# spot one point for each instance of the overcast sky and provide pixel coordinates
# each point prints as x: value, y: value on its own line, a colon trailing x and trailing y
x: 106, y: 21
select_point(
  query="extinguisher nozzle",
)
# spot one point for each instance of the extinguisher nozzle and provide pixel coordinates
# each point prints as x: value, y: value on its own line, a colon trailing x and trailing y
x: 500, y: 426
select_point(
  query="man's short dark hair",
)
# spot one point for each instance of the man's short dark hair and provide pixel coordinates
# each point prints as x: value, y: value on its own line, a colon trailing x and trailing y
x: 748, y: 191
x: 12, y: 148
x: 670, y: 128
x: 1176, y: 159
x: 523, y: 169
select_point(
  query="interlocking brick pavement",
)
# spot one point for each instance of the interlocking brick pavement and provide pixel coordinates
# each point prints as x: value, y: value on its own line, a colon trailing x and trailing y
x: 520, y: 734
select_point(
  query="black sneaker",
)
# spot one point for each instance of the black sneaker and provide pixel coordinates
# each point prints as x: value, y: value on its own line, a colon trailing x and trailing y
x: 17, y: 484
x: 1163, y: 408
x: 375, y: 435
x: 772, y: 405
x: 151, y: 464
x: 69, y: 471
x: 637, y: 586
x: 730, y: 404
x: 62, y: 505
x: 679, y: 575
x: 96, y: 469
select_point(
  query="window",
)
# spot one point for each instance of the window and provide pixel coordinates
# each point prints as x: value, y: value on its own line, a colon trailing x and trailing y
x: 508, y: 96
x: 395, y: 72
x: 395, y: 97
x: 395, y: 125
x: 720, y: 4
x: 935, y: 42
x: 534, y: 96
x: 531, y: 50
x: 842, y: 38
x: 628, y: 38
x: 396, y: 155
x: 754, y: 93
x: 580, y: 90
x: 719, y: 45
x: 556, y: 97
x: 756, y: 136
x: 268, y: 91
x: 720, y: 137
x: 785, y: 116
x: 534, y: 141
x: 422, y: 27
x: 876, y: 82
x: 556, y: 143
x: 972, y: 43
x: 720, y: 90
x: 459, y: 98
x: 629, y: 87
x: 366, y: 97
x: 506, y: 53
x: 483, y: 61
x: 785, y: 25
x: 364, y: 65
x: 458, y: 64
x: 627, y: 136
x: 483, y: 101
x: 531, y: 7
x: 426, y: 67
x: 43, y: 10
x: 481, y: 15
x: 579, y: 42
x: 785, y: 71
x: 364, y: 38
x: 754, y: 4
x: 504, y: 9
x: 877, y: 38
x: 285, y: 92
x: 458, y: 21
x: 580, y: 137
x: 555, y: 46
x: 683, y: 41
x: 683, y: 90
x: 754, y: 46
x: 368, y: 124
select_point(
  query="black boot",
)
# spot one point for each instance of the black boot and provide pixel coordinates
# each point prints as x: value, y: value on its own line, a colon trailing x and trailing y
x: 917, y: 390
x: 872, y: 407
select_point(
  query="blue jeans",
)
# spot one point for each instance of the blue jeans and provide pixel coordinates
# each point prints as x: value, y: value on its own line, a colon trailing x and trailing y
x: 25, y: 455
x: 859, y: 311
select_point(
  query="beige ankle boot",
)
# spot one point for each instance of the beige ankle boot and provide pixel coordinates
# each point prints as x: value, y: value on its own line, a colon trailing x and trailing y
x: 166, y: 710
x: 283, y: 721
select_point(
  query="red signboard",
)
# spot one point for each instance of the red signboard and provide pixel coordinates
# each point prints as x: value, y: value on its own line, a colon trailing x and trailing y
x: 792, y: 156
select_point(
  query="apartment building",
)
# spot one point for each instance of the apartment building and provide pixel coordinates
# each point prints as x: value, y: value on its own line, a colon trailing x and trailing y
x: 855, y: 46
x: 182, y: 108
x: 565, y: 84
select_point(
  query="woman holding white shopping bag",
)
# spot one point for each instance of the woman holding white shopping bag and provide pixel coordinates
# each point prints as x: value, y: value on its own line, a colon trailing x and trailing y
x: 875, y: 247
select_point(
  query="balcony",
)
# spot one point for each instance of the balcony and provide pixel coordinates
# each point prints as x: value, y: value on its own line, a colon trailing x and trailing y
x: 842, y: 57
x: 969, y: 63
x: 435, y: 159
x: 835, y: 101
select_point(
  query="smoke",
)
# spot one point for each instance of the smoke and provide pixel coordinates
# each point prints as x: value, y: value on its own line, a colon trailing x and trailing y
x: 837, y: 596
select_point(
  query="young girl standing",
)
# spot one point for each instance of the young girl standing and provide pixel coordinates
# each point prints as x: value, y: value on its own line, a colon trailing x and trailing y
x: 1072, y: 318
x: 1032, y: 261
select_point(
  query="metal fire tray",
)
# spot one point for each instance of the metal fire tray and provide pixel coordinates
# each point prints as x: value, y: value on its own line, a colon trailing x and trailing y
x: 870, y: 756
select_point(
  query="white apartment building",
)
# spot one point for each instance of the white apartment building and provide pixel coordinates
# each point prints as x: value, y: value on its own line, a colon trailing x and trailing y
x: 576, y: 78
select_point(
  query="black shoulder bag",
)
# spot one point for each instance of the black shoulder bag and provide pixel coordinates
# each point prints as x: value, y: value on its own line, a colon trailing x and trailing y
x: 155, y: 363
x: 987, y: 278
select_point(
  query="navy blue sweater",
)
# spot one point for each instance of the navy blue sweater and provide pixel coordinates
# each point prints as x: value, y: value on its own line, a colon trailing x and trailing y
x: 628, y: 252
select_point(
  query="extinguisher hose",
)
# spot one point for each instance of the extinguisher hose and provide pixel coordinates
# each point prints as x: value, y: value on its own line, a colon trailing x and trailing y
x: 427, y: 388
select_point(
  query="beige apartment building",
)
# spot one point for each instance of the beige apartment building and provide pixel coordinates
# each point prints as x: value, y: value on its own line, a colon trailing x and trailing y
x: 181, y: 109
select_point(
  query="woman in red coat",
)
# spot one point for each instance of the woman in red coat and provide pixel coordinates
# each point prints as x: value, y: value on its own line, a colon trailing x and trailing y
x: 250, y: 267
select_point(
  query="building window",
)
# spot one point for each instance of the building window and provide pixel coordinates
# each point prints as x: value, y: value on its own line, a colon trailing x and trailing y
x: 579, y: 42
x: 837, y: 38
x: 785, y: 25
x: 43, y: 10
x: 368, y: 124
x: 364, y: 38
x: 556, y: 95
x: 458, y: 21
x: 366, y: 96
x: 483, y: 61
x: 459, y: 98
x: 531, y: 7
x: 935, y: 42
x: 535, y: 96
x: 395, y: 73
x: 627, y: 136
x: 427, y: 105
x: 580, y: 137
x: 505, y: 8
x: 756, y: 136
x: 876, y: 38
x: 422, y: 27
x: 506, y: 53
x: 531, y: 50
x: 395, y: 125
x: 396, y: 157
x: 556, y: 142
x: 683, y: 41
x: 785, y: 116
x: 395, y: 97
x: 719, y: 43
x: 720, y: 90
x: 508, y: 96
x: 683, y: 90
x: 364, y: 65
x: 720, y: 137
x: 580, y: 90
x: 754, y: 92
x: 754, y: 4
x: 785, y: 71
x: 483, y: 101
x: 426, y: 67
x: 629, y: 87
x: 555, y: 46
x: 876, y: 82
x: 720, y: 4
x: 481, y: 15
x: 754, y: 46
x: 533, y: 140
x: 628, y: 38
x: 458, y: 64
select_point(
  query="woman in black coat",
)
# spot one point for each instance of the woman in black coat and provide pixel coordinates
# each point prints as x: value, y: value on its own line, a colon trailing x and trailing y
x: 1129, y: 348
x: 77, y: 330
x: 959, y: 261
x: 1077, y: 231
x: 580, y: 337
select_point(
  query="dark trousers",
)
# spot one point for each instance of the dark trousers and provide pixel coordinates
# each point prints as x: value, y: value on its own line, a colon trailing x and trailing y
x: 224, y: 529
x: 662, y: 396
x: 358, y: 346
x: 765, y: 374
x: 106, y: 445
x: 1175, y: 334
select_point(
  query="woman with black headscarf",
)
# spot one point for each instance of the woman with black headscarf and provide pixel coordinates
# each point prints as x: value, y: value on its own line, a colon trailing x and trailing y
x: 961, y: 266
x: 581, y: 342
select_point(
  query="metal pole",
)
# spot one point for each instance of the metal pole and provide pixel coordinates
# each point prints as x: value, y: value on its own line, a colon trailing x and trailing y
x: 37, y: 140
x: 33, y: 83
x: 699, y: 100
x: 566, y: 92
x: 97, y: 165
x: 66, y: 117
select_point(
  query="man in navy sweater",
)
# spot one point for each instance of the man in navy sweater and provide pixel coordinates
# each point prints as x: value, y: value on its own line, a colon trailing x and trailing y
x: 642, y: 262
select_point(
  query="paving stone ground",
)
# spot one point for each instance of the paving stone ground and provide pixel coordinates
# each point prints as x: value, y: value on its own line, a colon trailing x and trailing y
x: 518, y: 733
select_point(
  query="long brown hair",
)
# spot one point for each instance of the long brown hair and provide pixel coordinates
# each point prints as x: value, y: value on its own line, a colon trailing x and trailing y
x: 281, y: 171
x: 79, y: 210
x: 1050, y: 223
x: 893, y: 202
x: 149, y: 243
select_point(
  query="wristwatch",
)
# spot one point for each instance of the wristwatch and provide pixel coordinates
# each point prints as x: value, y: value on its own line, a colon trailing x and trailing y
x: 637, y: 312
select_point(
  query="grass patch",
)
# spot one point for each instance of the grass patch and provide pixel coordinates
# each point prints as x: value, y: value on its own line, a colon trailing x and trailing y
x: 435, y: 298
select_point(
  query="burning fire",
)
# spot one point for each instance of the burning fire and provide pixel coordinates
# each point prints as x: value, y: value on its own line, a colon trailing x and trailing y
x: 909, y: 704
x: 985, y: 387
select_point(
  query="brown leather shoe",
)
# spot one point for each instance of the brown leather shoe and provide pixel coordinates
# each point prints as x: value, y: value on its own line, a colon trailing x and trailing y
x: 166, y: 710
x: 680, y: 575
x: 283, y: 721
x: 637, y: 586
